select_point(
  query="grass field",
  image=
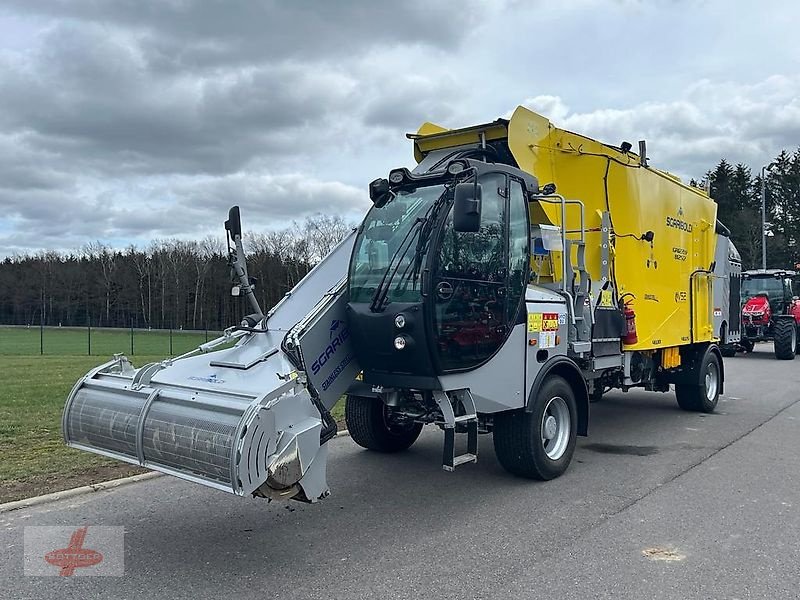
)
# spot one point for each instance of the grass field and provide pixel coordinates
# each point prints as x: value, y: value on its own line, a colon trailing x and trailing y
x: 34, y: 458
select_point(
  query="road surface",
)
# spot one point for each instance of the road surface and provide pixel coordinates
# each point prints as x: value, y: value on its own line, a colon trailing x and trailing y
x: 658, y: 503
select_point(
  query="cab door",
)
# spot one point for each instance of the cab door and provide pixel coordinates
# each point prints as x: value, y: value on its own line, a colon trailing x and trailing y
x: 478, y: 279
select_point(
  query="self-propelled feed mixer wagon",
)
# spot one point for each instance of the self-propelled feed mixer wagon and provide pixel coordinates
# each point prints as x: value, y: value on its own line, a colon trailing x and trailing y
x: 515, y: 273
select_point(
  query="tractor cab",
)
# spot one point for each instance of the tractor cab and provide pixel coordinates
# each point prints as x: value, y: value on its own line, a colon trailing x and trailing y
x: 770, y: 311
x: 767, y: 290
x: 439, y: 270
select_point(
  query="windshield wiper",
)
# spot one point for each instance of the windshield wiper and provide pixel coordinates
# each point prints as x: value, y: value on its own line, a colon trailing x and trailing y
x: 421, y: 229
x: 424, y: 238
x: 379, y: 297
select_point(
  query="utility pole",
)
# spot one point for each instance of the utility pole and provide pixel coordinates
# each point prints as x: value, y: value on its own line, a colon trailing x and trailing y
x: 764, y: 171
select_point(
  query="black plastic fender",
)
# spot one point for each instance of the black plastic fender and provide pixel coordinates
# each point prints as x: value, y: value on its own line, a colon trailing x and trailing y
x: 565, y: 367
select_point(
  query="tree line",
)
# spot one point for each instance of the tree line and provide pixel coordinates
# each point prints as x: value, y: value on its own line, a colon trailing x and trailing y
x: 169, y: 284
x: 186, y: 284
x: 737, y: 191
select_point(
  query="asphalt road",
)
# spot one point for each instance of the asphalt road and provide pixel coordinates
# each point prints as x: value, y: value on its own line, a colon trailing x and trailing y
x: 717, y: 495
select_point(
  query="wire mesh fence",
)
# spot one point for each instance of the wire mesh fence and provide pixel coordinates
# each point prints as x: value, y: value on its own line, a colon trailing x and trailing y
x: 98, y: 341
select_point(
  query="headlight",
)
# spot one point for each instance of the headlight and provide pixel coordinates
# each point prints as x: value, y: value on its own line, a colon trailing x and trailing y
x: 400, y: 321
x: 457, y: 166
x: 399, y: 342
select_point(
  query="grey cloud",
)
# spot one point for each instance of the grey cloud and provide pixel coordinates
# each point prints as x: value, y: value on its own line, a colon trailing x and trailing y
x: 740, y: 122
x: 212, y: 33
x: 133, y: 119
x: 191, y: 208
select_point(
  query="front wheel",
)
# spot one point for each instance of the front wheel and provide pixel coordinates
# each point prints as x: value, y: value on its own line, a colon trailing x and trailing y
x: 373, y: 426
x: 702, y: 397
x: 539, y: 444
x: 785, y: 336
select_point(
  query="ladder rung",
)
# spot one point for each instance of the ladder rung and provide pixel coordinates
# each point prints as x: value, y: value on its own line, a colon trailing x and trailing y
x: 465, y: 458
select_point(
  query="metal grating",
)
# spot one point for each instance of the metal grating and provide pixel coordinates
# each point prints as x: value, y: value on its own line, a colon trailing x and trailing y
x: 106, y: 421
x: 183, y: 438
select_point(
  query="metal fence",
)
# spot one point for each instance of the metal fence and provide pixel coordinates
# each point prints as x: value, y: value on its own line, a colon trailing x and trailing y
x: 21, y: 340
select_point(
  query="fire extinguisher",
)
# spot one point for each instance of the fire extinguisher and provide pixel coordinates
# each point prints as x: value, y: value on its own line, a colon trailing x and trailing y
x: 626, y: 306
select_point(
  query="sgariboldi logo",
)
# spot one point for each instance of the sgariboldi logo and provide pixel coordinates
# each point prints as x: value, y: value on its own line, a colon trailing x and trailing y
x: 74, y: 555
x: 338, y: 334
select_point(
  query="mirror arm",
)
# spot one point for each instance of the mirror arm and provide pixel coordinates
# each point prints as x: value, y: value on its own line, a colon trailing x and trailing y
x: 236, y: 258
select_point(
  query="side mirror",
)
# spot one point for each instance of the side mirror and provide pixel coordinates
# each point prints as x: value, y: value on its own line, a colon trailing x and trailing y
x: 467, y: 207
x: 234, y: 222
x: 379, y: 192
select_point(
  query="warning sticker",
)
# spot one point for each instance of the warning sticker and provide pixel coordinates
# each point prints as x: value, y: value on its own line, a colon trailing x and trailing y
x: 606, y: 298
x: 550, y: 322
x: 534, y: 322
x: 544, y: 321
x: 547, y: 339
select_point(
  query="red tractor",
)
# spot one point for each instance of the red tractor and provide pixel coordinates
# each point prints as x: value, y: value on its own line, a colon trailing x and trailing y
x: 770, y: 311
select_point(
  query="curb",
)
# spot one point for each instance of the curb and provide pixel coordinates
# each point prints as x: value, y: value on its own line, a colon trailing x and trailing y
x: 94, y: 487
x: 78, y: 491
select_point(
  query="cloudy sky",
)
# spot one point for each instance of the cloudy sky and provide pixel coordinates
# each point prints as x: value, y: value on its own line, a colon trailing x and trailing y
x: 128, y: 120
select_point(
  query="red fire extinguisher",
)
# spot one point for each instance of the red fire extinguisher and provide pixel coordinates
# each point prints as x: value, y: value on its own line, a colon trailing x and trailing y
x: 626, y: 306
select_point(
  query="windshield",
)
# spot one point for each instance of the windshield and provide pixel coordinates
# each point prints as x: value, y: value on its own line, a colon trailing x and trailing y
x: 757, y: 285
x: 385, y: 237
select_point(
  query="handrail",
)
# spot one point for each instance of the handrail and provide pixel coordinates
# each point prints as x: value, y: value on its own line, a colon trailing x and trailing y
x: 563, y: 202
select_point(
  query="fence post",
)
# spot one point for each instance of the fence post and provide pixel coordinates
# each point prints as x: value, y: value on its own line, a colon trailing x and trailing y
x: 41, y: 328
x: 170, y: 341
x: 206, y: 332
x: 131, y: 337
x: 89, y: 337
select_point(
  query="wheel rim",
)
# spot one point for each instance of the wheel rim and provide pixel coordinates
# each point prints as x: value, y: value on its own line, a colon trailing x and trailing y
x: 712, y: 381
x: 555, y: 428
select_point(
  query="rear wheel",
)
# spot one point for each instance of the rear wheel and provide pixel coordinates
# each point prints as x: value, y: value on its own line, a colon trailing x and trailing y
x: 728, y: 351
x: 702, y: 397
x: 373, y: 426
x: 539, y: 444
x: 785, y: 336
x: 747, y: 345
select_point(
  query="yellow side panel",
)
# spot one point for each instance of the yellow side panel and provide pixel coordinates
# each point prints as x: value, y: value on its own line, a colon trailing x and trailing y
x: 639, y: 200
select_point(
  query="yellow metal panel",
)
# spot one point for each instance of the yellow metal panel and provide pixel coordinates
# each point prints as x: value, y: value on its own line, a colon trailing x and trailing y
x: 639, y: 200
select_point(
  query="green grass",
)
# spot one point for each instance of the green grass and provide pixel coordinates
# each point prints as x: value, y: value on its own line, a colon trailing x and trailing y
x: 34, y: 458
x: 73, y: 341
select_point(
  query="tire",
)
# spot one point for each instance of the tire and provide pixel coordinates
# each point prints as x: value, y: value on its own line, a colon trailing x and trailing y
x: 369, y: 423
x: 748, y: 345
x: 519, y: 438
x: 704, y: 396
x: 785, y: 339
x: 728, y: 351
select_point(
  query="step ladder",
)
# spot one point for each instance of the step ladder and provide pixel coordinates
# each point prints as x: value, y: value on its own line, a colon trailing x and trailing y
x: 582, y: 310
x: 448, y: 403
